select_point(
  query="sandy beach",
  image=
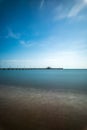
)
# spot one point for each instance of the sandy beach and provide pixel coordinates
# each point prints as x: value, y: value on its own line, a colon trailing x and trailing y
x: 35, y: 109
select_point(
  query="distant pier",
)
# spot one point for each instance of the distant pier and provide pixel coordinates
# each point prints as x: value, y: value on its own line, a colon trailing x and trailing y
x: 48, y: 68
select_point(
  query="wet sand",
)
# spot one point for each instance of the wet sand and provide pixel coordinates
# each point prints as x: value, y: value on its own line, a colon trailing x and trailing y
x: 30, y: 109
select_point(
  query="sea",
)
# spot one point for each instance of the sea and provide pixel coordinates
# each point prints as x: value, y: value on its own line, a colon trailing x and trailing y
x: 67, y: 79
x: 43, y: 99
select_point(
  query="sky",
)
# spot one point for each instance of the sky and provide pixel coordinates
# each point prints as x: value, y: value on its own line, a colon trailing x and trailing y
x: 41, y: 33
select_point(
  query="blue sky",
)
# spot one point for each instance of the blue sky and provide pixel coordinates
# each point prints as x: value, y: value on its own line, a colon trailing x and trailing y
x: 41, y: 33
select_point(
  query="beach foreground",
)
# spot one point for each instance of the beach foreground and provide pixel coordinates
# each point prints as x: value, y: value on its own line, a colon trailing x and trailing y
x: 35, y: 109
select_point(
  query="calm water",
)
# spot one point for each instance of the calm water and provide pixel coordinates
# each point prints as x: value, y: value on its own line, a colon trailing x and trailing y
x: 45, y: 108
x: 45, y: 79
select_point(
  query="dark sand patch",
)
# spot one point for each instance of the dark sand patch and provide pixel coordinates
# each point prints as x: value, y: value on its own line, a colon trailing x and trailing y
x: 30, y: 109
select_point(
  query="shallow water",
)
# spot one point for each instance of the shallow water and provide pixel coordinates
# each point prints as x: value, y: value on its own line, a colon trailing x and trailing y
x: 45, y: 79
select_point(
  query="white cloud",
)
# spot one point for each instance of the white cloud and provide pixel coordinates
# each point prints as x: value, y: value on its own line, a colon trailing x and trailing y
x: 61, y: 12
x: 26, y: 43
x: 77, y: 8
x: 42, y: 3
x: 13, y: 35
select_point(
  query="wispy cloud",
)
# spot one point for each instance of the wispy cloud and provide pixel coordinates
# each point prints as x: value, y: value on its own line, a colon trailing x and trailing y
x: 42, y: 3
x: 13, y: 35
x: 26, y: 43
x: 62, y: 12
x: 77, y: 8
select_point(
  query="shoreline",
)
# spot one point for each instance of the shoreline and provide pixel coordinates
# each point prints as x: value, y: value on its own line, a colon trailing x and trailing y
x: 35, y: 109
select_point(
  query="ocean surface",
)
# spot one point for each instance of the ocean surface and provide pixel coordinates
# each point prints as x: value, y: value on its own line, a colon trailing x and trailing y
x: 68, y: 79
x: 43, y: 99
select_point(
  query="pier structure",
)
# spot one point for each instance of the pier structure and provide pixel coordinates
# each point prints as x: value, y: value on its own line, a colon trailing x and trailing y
x: 48, y: 68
